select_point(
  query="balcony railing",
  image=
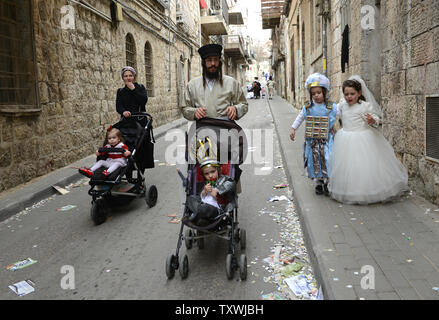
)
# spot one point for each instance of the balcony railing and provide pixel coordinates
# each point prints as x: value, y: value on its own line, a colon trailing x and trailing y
x: 234, y: 46
x: 215, y: 19
x: 220, y: 7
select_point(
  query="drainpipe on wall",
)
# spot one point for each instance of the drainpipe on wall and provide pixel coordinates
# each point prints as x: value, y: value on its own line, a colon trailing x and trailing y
x: 169, y: 47
x: 324, y: 11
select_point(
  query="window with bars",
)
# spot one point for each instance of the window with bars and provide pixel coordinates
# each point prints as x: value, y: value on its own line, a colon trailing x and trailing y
x: 18, y: 83
x: 130, y: 49
x: 149, y: 74
x: 432, y: 128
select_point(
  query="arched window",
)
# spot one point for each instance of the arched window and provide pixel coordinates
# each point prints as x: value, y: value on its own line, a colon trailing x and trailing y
x: 149, y: 75
x: 130, y: 49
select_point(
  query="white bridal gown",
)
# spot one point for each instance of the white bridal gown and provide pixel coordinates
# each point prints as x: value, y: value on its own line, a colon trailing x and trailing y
x: 364, y: 168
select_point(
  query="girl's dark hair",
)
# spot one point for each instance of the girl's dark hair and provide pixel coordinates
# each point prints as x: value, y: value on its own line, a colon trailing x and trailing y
x: 356, y: 85
x: 325, y: 92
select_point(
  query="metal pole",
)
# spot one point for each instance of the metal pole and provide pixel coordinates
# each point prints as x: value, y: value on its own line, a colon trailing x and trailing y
x: 169, y: 46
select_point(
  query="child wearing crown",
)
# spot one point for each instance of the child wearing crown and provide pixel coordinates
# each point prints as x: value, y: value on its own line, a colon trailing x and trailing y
x: 218, y: 189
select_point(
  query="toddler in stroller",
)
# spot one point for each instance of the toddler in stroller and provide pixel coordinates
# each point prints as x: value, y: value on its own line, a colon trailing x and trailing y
x: 111, y: 180
x: 218, y: 189
x: 211, y: 205
x: 114, y: 160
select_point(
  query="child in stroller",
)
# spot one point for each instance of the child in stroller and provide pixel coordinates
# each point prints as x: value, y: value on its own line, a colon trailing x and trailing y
x: 218, y: 189
x: 118, y: 187
x: 202, y: 217
x: 115, y: 160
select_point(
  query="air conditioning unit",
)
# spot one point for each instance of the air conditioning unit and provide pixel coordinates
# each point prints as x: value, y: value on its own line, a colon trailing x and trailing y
x: 179, y: 18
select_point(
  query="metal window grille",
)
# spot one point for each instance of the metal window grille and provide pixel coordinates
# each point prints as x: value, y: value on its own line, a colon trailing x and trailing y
x: 432, y: 128
x: 17, y: 59
x: 149, y: 70
x: 130, y: 48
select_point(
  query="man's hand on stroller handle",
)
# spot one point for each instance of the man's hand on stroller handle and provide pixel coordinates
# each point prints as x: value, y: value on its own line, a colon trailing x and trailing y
x: 232, y: 112
x: 200, y: 113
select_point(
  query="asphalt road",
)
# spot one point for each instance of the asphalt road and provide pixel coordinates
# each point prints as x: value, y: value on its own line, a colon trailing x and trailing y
x: 124, y: 258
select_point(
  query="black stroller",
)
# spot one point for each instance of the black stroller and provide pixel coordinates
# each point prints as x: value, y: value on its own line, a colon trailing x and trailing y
x: 225, y: 224
x: 119, y: 188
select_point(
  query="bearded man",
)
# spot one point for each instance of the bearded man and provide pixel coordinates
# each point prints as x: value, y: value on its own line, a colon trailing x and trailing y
x: 213, y: 94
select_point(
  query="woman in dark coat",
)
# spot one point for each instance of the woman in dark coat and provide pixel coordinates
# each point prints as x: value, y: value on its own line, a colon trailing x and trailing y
x: 132, y: 97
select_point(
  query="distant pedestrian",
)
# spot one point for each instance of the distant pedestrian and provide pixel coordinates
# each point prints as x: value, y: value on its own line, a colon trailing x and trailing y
x: 320, y: 115
x: 270, y: 86
x: 364, y: 168
x: 256, y: 88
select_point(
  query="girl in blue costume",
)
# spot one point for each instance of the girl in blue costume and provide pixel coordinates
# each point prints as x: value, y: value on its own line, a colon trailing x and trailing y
x: 320, y: 116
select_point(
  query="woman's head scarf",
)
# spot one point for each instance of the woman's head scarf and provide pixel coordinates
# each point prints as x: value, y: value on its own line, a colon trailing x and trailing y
x: 128, y: 68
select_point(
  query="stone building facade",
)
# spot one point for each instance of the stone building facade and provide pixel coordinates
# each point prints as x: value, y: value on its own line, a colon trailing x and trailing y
x: 393, y: 46
x: 60, y: 70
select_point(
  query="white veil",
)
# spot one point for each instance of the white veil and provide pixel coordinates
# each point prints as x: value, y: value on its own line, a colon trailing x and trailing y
x: 367, y: 94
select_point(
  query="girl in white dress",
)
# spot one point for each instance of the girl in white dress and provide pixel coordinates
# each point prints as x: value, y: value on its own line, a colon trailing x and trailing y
x: 364, y: 168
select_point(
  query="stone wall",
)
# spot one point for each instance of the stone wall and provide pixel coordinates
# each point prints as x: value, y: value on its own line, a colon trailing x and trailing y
x: 410, y: 72
x: 78, y: 76
x: 399, y: 60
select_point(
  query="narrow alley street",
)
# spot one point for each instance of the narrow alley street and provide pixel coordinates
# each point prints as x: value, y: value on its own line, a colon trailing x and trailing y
x: 124, y: 258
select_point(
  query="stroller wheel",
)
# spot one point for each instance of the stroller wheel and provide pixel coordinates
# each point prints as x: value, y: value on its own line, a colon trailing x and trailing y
x: 98, y: 212
x: 200, y: 241
x: 242, y: 238
x: 170, y: 268
x: 229, y: 266
x: 184, y: 267
x: 243, y: 267
x: 151, y: 195
x: 188, y: 238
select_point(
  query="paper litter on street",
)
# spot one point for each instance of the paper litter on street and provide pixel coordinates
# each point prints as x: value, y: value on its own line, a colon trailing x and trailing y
x: 66, y: 208
x: 60, y: 190
x: 299, y: 285
x: 23, y: 287
x: 278, y: 198
x: 273, y: 296
x: 20, y: 264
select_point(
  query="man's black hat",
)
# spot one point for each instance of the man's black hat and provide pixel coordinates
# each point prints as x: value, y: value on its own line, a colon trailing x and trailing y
x: 210, y: 50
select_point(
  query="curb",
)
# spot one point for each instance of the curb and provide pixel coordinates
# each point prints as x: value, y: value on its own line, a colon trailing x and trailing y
x: 16, y: 200
x: 310, y: 242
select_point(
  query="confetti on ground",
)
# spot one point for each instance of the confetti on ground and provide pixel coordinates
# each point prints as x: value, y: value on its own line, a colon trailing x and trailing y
x: 66, y: 208
x: 289, y: 257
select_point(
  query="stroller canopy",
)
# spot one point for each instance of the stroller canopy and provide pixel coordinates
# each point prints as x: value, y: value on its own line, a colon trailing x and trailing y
x: 227, y: 136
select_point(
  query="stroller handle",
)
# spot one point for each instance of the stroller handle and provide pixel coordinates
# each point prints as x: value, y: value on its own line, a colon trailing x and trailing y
x: 120, y: 150
x: 141, y: 115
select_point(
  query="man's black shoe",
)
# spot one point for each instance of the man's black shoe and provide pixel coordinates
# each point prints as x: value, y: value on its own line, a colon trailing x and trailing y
x: 326, y: 190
